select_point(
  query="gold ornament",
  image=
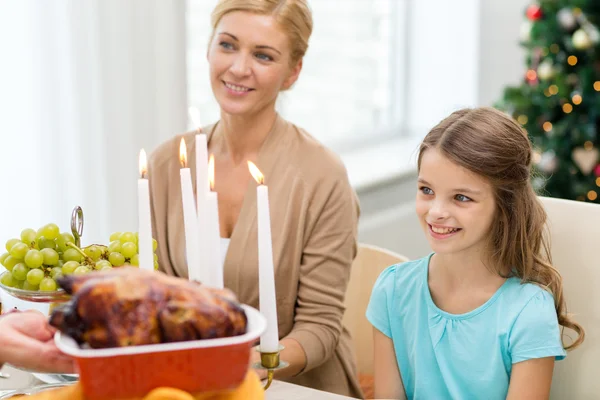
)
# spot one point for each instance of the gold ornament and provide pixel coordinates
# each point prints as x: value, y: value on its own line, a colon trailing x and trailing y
x: 586, y: 160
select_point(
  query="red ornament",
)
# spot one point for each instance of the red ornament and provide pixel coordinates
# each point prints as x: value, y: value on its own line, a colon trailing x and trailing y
x: 534, y: 12
x: 597, y: 170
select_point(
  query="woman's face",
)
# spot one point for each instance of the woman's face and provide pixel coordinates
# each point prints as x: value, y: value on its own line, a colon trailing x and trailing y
x: 249, y: 59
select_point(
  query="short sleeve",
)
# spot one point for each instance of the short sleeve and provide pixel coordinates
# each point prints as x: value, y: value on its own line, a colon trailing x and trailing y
x: 536, y: 333
x: 378, y: 312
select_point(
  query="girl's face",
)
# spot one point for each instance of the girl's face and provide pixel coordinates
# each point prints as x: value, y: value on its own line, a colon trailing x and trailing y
x: 249, y: 60
x: 456, y: 207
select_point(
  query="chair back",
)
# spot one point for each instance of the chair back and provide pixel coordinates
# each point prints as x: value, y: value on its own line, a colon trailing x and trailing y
x: 370, y: 261
x: 574, y: 241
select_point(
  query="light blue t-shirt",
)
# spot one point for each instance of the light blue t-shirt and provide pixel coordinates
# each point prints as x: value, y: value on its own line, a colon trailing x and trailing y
x: 461, y: 356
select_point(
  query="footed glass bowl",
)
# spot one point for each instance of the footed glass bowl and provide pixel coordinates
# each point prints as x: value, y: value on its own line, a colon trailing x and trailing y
x: 35, y: 295
x: 34, y: 390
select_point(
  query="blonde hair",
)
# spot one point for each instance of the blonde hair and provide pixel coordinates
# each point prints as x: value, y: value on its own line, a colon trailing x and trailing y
x: 494, y: 146
x: 294, y: 17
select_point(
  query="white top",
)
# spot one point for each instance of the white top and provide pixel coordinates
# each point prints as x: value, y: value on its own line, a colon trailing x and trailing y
x: 224, y: 247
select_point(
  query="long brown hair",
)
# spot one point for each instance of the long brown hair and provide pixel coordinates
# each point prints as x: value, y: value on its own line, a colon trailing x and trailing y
x: 491, y: 144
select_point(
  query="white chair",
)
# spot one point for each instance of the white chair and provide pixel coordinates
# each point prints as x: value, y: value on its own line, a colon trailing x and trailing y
x: 370, y: 261
x: 575, y: 240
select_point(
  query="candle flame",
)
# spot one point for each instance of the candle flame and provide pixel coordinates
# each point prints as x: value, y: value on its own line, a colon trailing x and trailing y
x: 143, y: 164
x: 211, y: 171
x: 256, y: 174
x: 182, y: 153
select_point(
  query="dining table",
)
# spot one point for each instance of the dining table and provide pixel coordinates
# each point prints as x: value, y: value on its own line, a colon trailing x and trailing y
x: 15, y: 379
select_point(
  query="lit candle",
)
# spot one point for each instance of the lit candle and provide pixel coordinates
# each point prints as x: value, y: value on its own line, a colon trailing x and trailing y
x: 190, y: 220
x: 269, y: 341
x: 214, y: 230
x: 202, y: 189
x: 146, y: 256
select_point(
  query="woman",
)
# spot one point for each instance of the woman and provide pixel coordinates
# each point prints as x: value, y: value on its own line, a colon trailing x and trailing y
x: 255, y: 52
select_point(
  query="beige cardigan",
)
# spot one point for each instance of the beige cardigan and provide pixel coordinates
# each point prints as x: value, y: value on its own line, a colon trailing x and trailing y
x: 314, y: 216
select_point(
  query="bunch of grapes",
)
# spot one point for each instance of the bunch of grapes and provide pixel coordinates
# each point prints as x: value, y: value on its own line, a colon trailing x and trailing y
x: 39, y: 258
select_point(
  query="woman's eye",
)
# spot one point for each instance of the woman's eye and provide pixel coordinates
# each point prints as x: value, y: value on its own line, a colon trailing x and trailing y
x: 226, y: 45
x: 425, y: 190
x: 462, y: 198
x: 264, y: 57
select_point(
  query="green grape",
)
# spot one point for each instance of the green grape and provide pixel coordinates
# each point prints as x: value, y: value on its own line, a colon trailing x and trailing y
x: 129, y: 249
x: 155, y: 257
x: 56, y: 272
x: 29, y: 286
x: 135, y: 260
x: 48, y: 285
x: 3, y: 257
x: 60, y: 262
x: 10, y: 243
x: 114, y: 236
x: 106, y: 268
x: 154, y: 245
x: 102, y: 264
x: 93, y: 252
x: 35, y: 276
x: 19, y: 250
x: 71, y: 255
x: 10, y: 262
x: 137, y: 237
x: 69, y: 267
x: 81, y: 270
x: 19, y: 272
x: 155, y: 265
x: 18, y: 284
x: 8, y: 280
x: 114, y: 247
x: 63, y: 239
x: 45, y: 243
x: 50, y: 256
x: 127, y: 237
x: 34, y: 259
x: 28, y: 236
x: 50, y: 231
x: 116, y: 259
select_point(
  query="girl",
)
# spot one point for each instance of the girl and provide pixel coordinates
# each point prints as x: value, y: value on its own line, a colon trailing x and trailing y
x: 480, y: 317
x: 255, y: 52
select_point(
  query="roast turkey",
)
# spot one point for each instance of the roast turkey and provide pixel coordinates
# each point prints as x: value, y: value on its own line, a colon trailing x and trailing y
x: 130, y: 306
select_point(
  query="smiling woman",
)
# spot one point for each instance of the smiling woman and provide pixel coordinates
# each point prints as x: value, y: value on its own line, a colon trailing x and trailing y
x: 256, y: 51
x: 352, y: 87
x: 248, y: 66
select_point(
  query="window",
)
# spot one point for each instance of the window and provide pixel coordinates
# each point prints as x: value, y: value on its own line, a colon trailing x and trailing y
x: 353, y: 83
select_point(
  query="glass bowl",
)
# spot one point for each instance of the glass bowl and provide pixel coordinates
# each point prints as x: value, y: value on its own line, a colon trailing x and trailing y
x: 33, y: 390
x: 35, y: 296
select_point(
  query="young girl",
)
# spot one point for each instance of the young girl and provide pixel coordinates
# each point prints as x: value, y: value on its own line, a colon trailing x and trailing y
x: 480, y: 317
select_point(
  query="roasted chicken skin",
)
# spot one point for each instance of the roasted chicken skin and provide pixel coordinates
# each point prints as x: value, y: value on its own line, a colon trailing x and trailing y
x: 129, y: 306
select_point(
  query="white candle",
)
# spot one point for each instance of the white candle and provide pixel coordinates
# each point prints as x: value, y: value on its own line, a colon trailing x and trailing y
x: 269, y: 341
x: 202, y: 189
x: 214, y: 230
x: 146, y: 253
x: 190, y: 220
x: 202, y: 185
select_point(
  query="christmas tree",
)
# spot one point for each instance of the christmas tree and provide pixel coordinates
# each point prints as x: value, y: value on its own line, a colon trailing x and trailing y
x: 558, y: 101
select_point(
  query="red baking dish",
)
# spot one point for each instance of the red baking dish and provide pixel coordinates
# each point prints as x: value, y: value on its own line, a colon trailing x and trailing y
x: 194, y: 366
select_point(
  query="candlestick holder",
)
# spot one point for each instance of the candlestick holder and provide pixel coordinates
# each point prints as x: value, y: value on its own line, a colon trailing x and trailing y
x: 270, y: 362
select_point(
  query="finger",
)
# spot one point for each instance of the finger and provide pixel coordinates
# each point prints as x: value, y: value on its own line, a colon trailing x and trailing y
x: 52, y: 359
